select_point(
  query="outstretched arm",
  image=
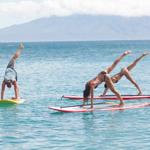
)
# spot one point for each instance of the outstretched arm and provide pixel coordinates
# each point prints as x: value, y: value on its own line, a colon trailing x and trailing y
x: 2, y: 90
x: 105, y: 91
x: 109, y: 69
x: 92, y: 96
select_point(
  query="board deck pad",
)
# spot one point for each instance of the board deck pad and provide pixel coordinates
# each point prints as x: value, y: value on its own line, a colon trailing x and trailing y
x: 103, y: 107
x: 111, y: 97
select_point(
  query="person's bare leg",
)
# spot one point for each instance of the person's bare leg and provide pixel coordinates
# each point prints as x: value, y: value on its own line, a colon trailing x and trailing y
x: 110, y: 85
x: 126, y: 73
x: 132, y: 65
x: 18, y: 51
x: 109, y: 69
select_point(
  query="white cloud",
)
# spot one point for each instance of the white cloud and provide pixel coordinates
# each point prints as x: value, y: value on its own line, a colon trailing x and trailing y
x: 25, y: 10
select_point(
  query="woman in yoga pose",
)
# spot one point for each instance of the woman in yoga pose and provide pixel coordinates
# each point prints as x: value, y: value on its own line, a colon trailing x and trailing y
x: 126, y: 72
x: 103, y: 76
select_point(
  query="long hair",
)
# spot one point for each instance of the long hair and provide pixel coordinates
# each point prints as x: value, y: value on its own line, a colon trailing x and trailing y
x: 8, y: 84
x: 86, y: 92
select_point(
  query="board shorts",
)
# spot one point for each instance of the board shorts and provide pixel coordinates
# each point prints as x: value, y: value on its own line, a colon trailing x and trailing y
x: 10, y: 73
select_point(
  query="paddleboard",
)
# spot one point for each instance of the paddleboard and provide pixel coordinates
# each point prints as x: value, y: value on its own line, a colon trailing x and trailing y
x: 117, y: 107
x: 111, y: 97
x: 105, y: 107
x: 11, y: 101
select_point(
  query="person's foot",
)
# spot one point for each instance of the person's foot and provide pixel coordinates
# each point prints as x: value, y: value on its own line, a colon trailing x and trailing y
x: 121, y: 104
x: 14, y: 98
x: 21, y: 46
x: 91, y: 107
x: 127, y: 52
x: 102, y: 95
x: 140, y: 93
x: 83, y: 105
x: 145, y: 53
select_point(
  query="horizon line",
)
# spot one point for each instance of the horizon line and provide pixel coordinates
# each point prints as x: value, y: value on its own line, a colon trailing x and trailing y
x: 73, y: 41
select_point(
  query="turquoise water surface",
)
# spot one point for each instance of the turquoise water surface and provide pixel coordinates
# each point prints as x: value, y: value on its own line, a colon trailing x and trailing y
x: 46, y: 71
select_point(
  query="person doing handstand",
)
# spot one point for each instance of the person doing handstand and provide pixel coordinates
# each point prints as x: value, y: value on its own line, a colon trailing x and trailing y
x: 10, y: 77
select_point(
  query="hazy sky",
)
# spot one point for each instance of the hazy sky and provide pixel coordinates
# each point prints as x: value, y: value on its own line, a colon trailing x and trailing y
x: 19, y: 11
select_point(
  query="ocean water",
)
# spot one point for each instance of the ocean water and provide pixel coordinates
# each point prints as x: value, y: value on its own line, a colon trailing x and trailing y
x: 48, y: 70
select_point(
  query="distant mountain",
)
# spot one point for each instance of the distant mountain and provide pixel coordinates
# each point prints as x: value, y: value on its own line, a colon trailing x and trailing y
x: 79, y: 28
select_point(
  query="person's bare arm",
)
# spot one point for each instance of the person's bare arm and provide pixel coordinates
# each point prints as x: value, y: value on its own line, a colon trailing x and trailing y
x: 92, y: 95
x: 105, y: 91
x: 16, y: 89
x: 2, y: 90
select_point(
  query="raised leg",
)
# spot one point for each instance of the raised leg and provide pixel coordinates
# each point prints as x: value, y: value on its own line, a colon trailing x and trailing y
x: 18, y: 51
x: 128, y: 76
x: 109, y: 69
x: 132, y: 65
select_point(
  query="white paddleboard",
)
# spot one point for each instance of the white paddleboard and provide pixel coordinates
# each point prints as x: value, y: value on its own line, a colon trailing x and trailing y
x: 103, y: 107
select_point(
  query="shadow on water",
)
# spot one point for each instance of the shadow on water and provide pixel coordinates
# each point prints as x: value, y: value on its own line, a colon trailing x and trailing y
x: 5, y: 105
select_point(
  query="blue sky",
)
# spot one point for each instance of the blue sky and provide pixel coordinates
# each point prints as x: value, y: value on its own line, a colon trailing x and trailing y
x: 20, y: 11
